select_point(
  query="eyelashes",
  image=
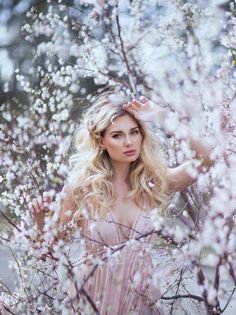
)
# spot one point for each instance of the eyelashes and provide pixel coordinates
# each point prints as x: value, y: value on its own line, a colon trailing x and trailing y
x: 117, y: 136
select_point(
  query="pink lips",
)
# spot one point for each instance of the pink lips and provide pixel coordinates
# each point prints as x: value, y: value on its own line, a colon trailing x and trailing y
x: 130, y: 152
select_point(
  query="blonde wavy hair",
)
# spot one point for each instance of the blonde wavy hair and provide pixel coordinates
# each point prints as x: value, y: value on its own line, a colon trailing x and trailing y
x: 91, y: 170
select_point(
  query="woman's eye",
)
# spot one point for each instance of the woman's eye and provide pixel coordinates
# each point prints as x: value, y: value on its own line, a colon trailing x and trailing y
x: 116, y: 136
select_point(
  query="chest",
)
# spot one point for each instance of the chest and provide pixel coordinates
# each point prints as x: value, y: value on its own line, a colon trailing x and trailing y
x: 125, y: 212
x: 117, y: 227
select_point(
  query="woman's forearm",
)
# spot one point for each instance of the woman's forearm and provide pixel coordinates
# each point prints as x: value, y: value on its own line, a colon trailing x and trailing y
x: 176, y: 129
x: 203, y: 151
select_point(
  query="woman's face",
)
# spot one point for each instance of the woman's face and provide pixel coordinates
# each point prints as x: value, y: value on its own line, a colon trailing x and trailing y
x: 122, y: 139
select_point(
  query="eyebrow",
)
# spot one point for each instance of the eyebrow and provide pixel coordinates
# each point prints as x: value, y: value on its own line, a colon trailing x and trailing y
x: 119, y: 131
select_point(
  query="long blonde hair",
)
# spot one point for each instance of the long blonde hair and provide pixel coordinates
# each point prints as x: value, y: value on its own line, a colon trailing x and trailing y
x: 90, y: 168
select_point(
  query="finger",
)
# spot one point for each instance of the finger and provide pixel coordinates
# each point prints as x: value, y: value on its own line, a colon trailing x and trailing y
x: 34, y: 206
x: 131, y: 111
x: 127, y: 106
x: 41, y: 204
x: 31, y: 208
x: 143, y: 99
x: 133, y: 106
x: 137, y: 103
x: 47, y: 199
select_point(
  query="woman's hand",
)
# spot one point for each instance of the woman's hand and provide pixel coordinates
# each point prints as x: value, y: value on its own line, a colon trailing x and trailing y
x: 145, y: 110
x: 39, y: 207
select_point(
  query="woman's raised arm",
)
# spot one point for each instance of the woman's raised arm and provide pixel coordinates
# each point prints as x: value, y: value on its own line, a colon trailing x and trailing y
x: 179, y: 177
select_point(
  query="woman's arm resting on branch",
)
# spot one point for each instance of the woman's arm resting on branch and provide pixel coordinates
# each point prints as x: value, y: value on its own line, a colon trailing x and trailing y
x: 179, y: 177
x: 65, y: 208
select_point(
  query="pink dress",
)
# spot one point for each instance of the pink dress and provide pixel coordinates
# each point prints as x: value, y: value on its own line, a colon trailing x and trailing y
x: 122, y: 283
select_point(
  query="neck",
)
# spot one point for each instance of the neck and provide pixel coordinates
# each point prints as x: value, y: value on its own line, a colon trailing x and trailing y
x: 120, y: 172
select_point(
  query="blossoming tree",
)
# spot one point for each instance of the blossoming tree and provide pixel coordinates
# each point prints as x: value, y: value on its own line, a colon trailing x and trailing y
x: 181, y: 55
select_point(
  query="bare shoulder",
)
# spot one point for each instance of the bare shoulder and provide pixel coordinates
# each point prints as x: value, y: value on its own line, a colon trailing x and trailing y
x: 180, y: 177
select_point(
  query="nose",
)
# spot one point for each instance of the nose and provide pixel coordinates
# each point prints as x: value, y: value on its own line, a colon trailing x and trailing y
x: 128, y: 141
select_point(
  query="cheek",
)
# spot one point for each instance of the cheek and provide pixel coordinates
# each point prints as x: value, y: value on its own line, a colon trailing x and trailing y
x: 113, y: 145
x: 140, y: 140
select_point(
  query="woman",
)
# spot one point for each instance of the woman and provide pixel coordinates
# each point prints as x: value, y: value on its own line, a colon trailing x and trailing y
x: 116, y: 179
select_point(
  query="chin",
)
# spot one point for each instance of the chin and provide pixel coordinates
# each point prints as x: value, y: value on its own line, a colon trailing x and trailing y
x: 131, y: 158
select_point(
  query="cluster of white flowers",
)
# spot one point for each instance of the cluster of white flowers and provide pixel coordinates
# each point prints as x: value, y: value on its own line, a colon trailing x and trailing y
x: 180, y: 53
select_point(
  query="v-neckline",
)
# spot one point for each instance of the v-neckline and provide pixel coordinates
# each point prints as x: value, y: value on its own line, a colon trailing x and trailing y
x: 131, y: 229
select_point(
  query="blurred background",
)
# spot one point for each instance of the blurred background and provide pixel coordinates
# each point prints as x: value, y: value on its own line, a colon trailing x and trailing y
x: 15, y: 53
x: 44, y: 84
